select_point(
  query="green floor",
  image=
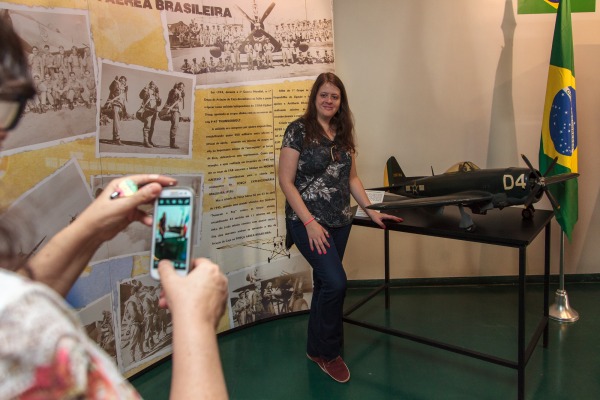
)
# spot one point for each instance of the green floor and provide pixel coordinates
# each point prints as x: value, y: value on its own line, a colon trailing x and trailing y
x: 268, y: 361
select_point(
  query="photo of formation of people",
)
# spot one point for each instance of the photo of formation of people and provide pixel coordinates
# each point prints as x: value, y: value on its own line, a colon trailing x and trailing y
x: 59, y: 53
x: 144, y: 113
x: 264, y: 298
x: 146, y: 329
x: 259, y: 41
x: 63, y: 80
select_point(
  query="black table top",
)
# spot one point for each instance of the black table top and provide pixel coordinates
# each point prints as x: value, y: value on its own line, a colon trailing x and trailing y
x: 504, y: 227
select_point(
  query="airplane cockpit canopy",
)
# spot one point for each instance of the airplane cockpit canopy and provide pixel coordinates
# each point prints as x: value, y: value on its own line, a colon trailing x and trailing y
x: 463, y: 166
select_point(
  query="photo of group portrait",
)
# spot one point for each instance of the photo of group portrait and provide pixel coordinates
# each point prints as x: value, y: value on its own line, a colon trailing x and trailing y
x: 253, y: 41
x: 61, y: 63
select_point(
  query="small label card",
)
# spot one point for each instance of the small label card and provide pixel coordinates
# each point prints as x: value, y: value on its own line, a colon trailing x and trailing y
x: 375, y: 196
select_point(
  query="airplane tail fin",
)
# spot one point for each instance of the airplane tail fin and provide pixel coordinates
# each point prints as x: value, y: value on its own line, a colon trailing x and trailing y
x: 393, y: 174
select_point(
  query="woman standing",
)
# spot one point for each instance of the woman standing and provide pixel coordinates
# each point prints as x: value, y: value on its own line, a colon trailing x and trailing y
x: 317, y: 174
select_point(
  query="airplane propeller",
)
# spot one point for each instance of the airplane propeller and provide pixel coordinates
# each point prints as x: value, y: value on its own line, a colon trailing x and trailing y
x: 267, y: 12
x: 245, y: 15
x: 264, y: 16
x: 541, y: 183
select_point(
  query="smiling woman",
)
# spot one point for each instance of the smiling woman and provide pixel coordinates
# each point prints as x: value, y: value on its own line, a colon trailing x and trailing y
x: 317, y: 174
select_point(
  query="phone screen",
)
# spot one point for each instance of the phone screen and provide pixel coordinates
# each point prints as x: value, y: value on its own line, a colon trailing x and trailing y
x: 173, y: 230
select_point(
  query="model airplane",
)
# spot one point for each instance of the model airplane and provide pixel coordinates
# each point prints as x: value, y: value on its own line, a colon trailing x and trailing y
x: 466, y: 185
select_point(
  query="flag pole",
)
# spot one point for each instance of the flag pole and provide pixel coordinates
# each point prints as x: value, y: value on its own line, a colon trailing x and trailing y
x: 561, y: 311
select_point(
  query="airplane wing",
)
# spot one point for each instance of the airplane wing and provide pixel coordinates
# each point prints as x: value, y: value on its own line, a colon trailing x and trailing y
x: 385, y: 188
x: 464, y: 198
x: 36, y: 33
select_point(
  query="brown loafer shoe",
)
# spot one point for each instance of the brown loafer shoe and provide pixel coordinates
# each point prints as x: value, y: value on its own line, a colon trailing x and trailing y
x: 336, y: 368
x: 316, y: 359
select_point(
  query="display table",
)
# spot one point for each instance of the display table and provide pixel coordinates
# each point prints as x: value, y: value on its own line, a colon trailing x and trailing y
x: 501, y: 228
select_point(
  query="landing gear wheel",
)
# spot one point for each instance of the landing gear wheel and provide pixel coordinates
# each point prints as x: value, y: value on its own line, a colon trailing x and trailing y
x: 471, y: 228
x: 527, y: 213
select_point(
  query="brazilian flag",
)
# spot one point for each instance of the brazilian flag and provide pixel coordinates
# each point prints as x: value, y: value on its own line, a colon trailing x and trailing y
x: 559, y: 124
x: 550, y: 6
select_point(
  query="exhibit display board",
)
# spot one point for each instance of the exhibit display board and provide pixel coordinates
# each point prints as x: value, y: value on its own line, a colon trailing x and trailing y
x: 199, y: 90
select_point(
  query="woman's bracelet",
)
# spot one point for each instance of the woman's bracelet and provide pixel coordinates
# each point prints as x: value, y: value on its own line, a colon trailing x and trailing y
x: 309, y: 221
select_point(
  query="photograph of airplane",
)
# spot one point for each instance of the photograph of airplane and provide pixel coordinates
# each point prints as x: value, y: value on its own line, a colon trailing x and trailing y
x: 39, y: 29
x: 468, y: 186
x: 254, y: 40
x: 258, y: 33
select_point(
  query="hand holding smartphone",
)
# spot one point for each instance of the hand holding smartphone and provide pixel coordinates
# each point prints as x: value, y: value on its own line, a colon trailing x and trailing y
x: 172, y: 230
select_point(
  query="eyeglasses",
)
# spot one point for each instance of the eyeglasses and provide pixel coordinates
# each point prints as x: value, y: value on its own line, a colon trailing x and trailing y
x: 13, y: 99
x: 10, y: 114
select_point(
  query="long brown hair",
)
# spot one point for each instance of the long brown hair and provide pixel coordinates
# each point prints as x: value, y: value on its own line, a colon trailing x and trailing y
x: 342, y: 121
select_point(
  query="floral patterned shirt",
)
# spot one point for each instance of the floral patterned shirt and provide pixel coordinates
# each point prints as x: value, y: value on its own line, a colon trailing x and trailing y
x: 44, y: 351
x: 323, y: 177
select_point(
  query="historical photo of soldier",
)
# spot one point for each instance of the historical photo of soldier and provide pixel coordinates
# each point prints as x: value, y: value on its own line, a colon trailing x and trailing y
x: 97, y: 319
x: 253, y: 40
x: 145, y: 329
x: 59, y: 48
x: 172, y: 110
x: 68, y: 184
x: 144, y: 113
x: 151, y: 100
x: 136, y: 238
x: 256, y: 295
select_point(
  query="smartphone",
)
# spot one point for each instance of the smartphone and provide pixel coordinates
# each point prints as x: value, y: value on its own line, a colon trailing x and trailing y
x: 172, y: 229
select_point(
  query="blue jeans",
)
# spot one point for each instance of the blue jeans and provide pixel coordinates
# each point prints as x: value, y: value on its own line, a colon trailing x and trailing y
x: 325, y: 325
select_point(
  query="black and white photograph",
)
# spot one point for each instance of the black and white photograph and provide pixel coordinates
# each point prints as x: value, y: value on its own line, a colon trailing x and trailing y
x: 59, y: 49
x: 98, y: 322
x: 253, y: 40
x: 144, y: 113
x: 100, y: 279
x: 266, y: 291
x: 68, y: 193
x: 145, y: 330
x: 137, y: 238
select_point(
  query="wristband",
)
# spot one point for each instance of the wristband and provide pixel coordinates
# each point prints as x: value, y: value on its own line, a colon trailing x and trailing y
x: 309, y: 221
